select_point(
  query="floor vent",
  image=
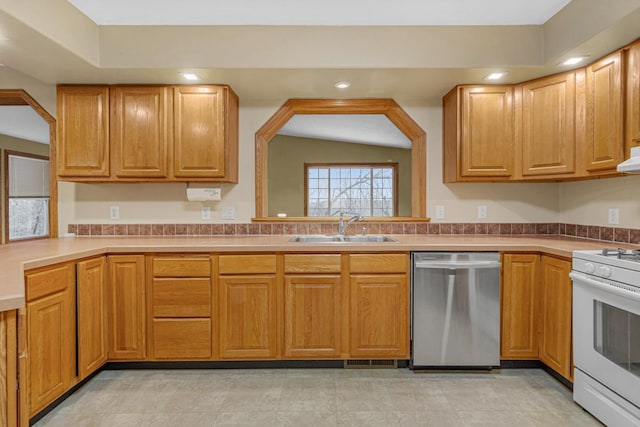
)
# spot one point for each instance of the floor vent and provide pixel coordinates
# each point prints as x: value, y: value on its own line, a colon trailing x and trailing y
x: 370, y: 364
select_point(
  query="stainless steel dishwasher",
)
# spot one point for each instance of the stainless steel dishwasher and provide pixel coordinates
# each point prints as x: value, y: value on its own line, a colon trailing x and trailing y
x: 455, y: 310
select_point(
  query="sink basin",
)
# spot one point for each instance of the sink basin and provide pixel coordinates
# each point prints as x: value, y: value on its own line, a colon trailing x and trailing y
x: 321, y: 238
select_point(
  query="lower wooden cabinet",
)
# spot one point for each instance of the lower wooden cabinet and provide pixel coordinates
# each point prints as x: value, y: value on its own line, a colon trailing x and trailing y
x: 379, y: 321
x: 92, y: 315
x: 51, y: 335
x: 126, y: 303
x: 248, y: 317
x: 312, y: 317
x: 182, y: 338
x: 520, y: 306
x: 555, y: 315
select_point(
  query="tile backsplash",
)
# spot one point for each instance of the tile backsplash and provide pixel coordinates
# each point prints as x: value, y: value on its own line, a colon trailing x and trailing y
x: 622, y: 235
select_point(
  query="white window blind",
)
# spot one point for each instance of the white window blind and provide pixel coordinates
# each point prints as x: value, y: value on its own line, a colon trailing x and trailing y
x: 28, y: 177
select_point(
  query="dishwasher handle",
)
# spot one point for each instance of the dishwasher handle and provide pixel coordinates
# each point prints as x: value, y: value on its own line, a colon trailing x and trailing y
x: 456, y: 265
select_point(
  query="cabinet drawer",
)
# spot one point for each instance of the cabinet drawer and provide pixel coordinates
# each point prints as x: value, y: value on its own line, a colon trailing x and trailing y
x: 302, y: 263
x: 181, y: 298
x: 378, y: 263
x: 247, y: 264
x: 182, y: 338
x: 181, y: 267
x: 49, y: 281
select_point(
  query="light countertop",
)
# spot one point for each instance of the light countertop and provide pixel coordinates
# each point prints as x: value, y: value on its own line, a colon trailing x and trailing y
x: 16, y: 258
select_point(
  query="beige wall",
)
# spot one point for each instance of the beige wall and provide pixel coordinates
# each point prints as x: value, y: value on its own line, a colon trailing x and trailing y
x: 14, y: 144
x: 288, y: 154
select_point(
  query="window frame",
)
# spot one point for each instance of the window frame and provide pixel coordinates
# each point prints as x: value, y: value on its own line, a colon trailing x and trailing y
x: 7, y: 236
x: 392, y: 165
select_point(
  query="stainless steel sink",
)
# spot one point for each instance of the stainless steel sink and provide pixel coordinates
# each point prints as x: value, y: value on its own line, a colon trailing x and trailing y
x: 321, y: 238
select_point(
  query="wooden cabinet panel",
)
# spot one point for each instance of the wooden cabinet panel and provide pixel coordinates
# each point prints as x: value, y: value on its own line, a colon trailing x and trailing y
x: 248, y: 322
x: 51, y: 341
x: 199, y: 132
x: 555, y: 315
x: 478, y: 133
x: 177, y: 266
x: 140, y: 136
x: 182, y: 338
x: 312, y: 263
x: 547, y: 134
x: 83, y: 131
x: 247, y: 264
x: 126, y: 307
x: 520, y: 306
x: 181, y: 297
x: 604, y: 145
x: 633, y: 97
x: 379, y: 321
x: 378, y: 263
x: 92, y: 315
x: 312, y: 316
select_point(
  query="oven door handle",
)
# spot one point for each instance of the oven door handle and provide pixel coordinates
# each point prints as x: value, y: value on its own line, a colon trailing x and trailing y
x: 612, y: 289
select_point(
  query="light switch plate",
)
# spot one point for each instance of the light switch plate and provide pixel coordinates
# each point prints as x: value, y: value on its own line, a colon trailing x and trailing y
x: 227, y: 212
x: 614, y: 216
x: 439, y: 212
x: 482, y: 212
x: 114, y: 212
x: 206, y: 212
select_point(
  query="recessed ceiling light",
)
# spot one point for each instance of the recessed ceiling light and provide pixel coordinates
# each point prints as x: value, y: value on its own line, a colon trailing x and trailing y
x: 342, y: 85
x: 190, y: 76
x: 495, y: 76
x: 574, y: 60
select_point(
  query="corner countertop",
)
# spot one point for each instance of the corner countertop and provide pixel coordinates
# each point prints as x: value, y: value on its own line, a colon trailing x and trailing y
x: 16, y: 258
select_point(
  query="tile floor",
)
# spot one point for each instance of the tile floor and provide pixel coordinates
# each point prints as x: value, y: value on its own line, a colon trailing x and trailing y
x: 318, y: 397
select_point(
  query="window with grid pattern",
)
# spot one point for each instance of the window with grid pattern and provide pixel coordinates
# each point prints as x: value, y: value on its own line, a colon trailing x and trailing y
x: 363, y: 189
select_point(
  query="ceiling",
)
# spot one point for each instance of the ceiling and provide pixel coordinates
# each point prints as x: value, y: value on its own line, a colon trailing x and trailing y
x: 326, y: 12
x: 372, y: 129
x: 21, y: 121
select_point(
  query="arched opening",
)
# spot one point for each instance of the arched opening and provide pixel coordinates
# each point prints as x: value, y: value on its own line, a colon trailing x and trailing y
x: 386, y: 107
x: 19, y: 97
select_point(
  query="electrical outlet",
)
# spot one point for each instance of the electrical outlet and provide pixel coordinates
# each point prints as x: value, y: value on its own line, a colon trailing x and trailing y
x: 114, y: 212
x: 227, y: 212
x: 614, y: 216
x: 206, y: 212
x: 482, y: 212
x: 439, y: 212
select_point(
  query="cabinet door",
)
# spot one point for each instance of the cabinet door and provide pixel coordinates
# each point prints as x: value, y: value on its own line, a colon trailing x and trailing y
x: 247, y: 317
x: 604, y: 135
x: 486, y: 135
x: 140, y: 131
x: 50, y: 335
x: 633, y: 97
x: 182, y: 338
x: 312, y: 316
x: 555, y: 316
x: 547, y: 137
x: 92, y: 315
x: 199, y: 134
x: 126, y: 307
x: 83, y: 131
x: 379, y: 325
x: 520, y: 306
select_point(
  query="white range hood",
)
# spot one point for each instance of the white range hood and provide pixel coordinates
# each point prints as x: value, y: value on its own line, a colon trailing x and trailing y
x: 632, y: 164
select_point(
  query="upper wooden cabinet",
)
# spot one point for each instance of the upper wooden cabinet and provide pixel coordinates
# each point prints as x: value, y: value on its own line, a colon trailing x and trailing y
x: 545, y: 119
x: 633, y: 97
x: 83, y: 132
x: 156, y: 133
x: 140, y: 136
x: 604, y: 146
x: 478, y: 134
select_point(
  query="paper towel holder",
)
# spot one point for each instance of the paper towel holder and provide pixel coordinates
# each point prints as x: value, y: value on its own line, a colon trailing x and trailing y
x: 199, y: 194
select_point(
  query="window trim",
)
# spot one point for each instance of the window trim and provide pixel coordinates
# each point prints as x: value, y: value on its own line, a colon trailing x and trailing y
x: 7, y: 237
x: 392, y: 165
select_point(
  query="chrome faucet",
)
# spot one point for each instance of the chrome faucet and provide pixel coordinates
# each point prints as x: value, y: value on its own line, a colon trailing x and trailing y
x: 342, y: 225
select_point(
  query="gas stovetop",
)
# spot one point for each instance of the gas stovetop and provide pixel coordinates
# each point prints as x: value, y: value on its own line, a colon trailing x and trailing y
x: 620, y: 265
x: 624, y: 254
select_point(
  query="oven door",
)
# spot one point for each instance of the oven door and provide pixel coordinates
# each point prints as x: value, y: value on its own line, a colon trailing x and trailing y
x: 606, y: 334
